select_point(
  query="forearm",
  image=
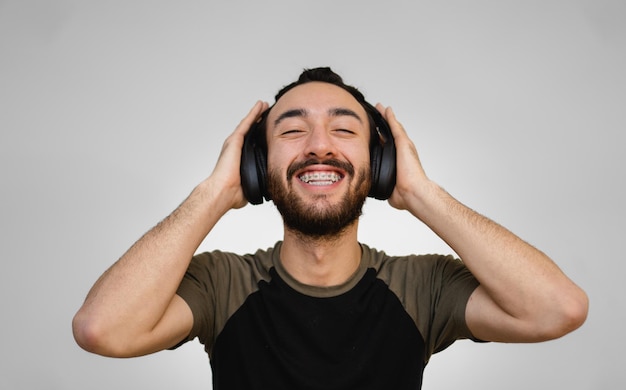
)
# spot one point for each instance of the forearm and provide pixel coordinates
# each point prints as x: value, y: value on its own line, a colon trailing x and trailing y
x: 132, y: 296
x: 520, y: 279
x: 133, y: 309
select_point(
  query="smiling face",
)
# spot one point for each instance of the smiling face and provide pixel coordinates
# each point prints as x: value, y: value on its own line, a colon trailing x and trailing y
x: 318, y: 159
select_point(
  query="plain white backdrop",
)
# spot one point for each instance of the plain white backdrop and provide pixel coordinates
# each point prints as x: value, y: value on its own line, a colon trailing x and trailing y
x: 112, y: 111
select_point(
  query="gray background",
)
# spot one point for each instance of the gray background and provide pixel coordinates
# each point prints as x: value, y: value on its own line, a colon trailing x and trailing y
x: 112, y: 111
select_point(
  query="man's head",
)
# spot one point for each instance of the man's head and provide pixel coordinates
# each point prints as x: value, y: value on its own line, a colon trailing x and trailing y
x: 318, y: 158
x: 317, y: 140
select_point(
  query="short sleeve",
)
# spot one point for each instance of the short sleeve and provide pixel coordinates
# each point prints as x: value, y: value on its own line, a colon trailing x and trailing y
x: 434, y: 290
x: 215, y: 285
x: 451, y: 285
x: 197, y: 290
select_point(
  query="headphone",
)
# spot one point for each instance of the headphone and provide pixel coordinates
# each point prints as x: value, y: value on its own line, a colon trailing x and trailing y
x: 253, y: 168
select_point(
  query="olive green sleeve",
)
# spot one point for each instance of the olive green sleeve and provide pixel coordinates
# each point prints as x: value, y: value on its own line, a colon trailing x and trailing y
x: 434, y: 290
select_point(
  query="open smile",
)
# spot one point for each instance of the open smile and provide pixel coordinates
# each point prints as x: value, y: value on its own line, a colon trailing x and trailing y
x: 320, y: 178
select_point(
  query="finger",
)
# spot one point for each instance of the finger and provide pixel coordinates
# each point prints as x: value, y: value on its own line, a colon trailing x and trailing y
x: 254, y: 114
x: 387, y: 113
x: 380, y: 108
x: 397, y: 129
x: 236, y: 138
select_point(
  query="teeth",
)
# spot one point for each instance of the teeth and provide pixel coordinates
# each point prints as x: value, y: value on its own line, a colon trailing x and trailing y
x: 320, y: 178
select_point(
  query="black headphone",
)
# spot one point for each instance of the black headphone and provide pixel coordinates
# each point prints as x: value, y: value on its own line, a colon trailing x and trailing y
x: 253, y: 168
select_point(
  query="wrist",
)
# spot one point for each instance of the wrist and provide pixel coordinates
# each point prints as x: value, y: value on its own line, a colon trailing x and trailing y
x: 426, y: 199
x: 219, y: 197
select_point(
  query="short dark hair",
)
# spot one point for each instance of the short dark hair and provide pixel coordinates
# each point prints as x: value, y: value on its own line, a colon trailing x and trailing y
x: 325, y: 75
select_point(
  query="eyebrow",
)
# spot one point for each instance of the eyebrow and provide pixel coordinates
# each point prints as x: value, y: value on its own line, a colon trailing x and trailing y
x: 303, y: 113
x: 298, y: 112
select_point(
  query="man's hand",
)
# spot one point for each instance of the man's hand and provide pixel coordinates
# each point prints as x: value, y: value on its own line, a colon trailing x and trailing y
x: 225, y: 177
x: 410, y: 176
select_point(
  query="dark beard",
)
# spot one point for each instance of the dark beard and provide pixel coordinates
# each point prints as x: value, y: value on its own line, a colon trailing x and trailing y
x: 315, y: 222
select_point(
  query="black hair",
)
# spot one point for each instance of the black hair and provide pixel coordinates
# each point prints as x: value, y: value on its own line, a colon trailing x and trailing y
x: 325, y: 75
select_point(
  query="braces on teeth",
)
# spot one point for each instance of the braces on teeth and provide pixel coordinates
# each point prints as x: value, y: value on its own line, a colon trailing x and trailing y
x: 320, y: 178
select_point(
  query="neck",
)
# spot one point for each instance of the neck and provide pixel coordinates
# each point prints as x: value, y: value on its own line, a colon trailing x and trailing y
x: 321, y: 261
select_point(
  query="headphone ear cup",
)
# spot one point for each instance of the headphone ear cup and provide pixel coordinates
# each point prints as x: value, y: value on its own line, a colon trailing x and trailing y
x: 375, y: 152
x: 382, y: 157
x: 386, y: 170
x: 260, y: 155
x: 252, y: 176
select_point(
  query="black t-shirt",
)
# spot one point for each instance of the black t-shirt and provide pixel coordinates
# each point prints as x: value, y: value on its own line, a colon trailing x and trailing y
x: 263, y: 329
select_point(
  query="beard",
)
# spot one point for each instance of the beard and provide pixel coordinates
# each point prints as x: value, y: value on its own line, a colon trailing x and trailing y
x: 319, y: 219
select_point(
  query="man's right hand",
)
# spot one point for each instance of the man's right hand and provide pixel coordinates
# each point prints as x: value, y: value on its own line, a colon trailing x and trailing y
x: 225, y: 177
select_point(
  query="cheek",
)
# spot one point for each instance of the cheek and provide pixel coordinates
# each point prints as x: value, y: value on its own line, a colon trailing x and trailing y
x: 361, y: 159
x: 274, y: 160
x: 278, y: 160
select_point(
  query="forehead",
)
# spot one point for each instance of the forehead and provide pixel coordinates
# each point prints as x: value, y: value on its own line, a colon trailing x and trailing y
x: 316, y: 98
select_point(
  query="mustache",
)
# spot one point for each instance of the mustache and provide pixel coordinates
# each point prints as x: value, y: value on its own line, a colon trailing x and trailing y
x: 343, y: 165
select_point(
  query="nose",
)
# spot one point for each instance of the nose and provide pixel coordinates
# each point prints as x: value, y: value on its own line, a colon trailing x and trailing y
x: 320, y: 143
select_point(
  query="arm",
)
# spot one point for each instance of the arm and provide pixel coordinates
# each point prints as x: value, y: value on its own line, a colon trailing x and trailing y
x: 523, y: 296
x: 133, y: 308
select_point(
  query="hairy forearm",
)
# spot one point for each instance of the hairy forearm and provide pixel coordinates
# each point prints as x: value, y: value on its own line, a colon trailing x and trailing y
x: 521, y: 280
x: 130, y: 298
x: 523, y: 296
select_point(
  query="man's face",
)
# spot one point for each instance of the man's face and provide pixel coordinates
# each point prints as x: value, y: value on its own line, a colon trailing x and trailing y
x: 318, y: 159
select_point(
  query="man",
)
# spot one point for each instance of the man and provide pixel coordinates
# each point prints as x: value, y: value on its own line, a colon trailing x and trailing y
x: 321, y: 310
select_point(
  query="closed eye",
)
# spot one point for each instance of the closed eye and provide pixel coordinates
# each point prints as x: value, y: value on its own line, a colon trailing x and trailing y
x: 345, y: 131
x: 291, y: 131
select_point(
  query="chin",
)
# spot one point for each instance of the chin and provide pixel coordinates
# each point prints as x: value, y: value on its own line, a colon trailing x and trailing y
x: 319, y: 217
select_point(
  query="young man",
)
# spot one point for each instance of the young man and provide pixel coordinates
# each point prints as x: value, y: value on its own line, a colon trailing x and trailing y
x: 321, y: 310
